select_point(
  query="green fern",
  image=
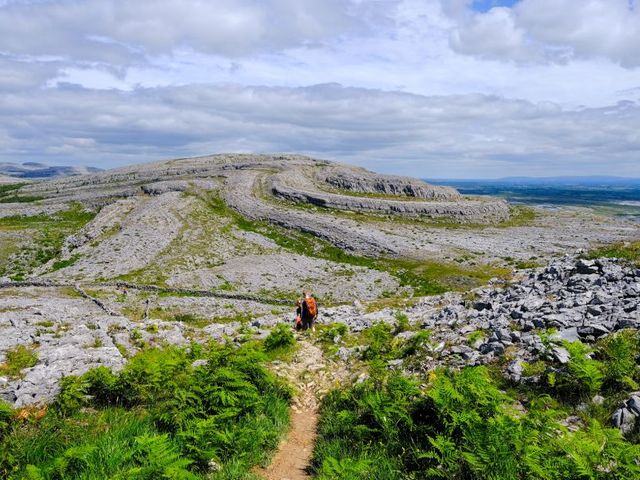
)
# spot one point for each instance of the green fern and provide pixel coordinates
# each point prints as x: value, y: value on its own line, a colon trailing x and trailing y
x: 347, y: 469
x: 582, y: 376
x: 444, y: 457
x: 73, y: 461
x: 618, y: 353
x: 158, y: 458
x: 73, y: 394
x: 280, y: 337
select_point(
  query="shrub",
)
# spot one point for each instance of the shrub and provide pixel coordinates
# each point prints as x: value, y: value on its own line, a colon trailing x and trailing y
x: 618, y: 353
x: 413, y: 344
x: 582, y: 376
x: 379, y: 338
x: 534, y: 369
x: 73, y: 394
x: 402, y: 322
x: 6, y: 412
x: 332, y: 331
x: 280, y: 338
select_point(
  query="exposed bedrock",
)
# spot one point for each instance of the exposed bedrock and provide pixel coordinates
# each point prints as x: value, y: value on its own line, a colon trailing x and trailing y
x: 293, y: 177
x: 298, y: 185
x: 239, y: 193
x: 359, y: 180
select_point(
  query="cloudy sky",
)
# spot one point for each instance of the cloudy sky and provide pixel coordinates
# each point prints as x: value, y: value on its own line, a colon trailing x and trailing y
x: 432, y: 88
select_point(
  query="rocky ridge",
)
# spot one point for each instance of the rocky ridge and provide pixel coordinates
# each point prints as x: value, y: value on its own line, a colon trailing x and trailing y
x: 359, y: 180
x: 285, y: 190
x: 444, y: 203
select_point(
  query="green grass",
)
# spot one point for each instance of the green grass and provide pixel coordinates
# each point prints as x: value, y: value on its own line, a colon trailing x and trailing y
x: 159, y: 417
x: 10, y: 188
x: 60, y: 264
x: 20, y: 199
x: 17, y: 359
x: 191, y: 319
x: 390, y: 302
x: 46, y: 234
x: 628, y: 251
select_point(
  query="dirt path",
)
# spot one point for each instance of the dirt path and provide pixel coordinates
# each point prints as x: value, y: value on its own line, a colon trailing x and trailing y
x: 313, y: 377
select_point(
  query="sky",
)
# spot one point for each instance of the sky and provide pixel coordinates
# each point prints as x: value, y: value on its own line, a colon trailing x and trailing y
x: 429, y: 88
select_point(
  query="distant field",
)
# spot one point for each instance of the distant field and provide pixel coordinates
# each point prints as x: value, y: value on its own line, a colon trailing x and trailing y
x: 614, y: 197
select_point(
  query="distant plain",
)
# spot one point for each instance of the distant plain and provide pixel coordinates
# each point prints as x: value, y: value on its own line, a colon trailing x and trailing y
x: 608, y: 195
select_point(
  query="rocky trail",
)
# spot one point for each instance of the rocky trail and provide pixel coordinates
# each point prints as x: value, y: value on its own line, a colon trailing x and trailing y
x: 312, y: 375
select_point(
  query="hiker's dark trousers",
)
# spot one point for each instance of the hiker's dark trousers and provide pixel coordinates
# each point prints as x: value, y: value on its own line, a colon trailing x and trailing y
x: 307, y: 322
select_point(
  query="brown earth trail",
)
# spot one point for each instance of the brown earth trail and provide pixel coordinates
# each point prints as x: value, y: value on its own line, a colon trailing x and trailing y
x: 309, y: 373
x: 294, y: 454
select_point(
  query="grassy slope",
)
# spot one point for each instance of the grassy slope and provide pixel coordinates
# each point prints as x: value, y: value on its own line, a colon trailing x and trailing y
x: 30, y: 242
x: 160, y: 417
x: 9, y: 193
x: 629, y: 251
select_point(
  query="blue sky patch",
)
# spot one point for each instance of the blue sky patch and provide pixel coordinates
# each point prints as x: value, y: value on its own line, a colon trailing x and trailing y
x: 485, y: 5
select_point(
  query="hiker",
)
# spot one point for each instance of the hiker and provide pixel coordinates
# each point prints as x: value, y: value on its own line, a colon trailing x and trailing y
x: 298, y: 315
x: 309, y: 311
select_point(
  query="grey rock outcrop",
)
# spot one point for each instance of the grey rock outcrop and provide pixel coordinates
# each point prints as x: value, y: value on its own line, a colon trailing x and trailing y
x: 359, y: 180
x: 472, y: 332
x: 428, y: 200
x: 626, y: 417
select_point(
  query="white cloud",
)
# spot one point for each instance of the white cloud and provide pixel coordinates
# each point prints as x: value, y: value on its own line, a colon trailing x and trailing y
x: 466, y: 135
x: 552, y: 30
x: 494, y: 34
x: 118, y: 31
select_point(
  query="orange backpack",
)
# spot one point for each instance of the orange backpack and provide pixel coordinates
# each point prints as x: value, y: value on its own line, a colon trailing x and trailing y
x: 312, y: 306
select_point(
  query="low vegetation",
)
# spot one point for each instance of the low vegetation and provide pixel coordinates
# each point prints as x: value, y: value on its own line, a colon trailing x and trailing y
x: 629, y: 251
x: 609, y: 368
x: 378, y: 343
x: 463, y: 425
x: 10, y: 188
x: 60, y: 264
x: 280, y: 343
x: 474, y: 424
x: 10, y: 194
x: 17, y: 359
x: 162, y: 416
x: 45, y: 234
